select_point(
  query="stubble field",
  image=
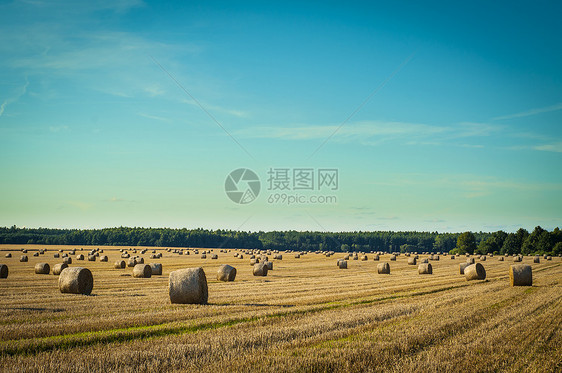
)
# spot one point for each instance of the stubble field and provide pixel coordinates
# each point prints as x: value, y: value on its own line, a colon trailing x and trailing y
x: 305, y: 315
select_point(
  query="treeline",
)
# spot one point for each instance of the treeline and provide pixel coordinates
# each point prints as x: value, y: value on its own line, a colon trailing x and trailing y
x: 540, y: 241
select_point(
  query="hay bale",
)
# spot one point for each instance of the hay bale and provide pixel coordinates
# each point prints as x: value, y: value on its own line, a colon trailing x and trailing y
x: 393, y: 257
x: 383, y: 268
x: 104, y: 258
x: 132, y: 262
x: 549, y: 258
x: 424, y: 260
x: 203, y: 256
x: 483, y: 258
x: 475, y: 272
x: 214, y: 256
x: 42, y: 268
x: 188, y: 286
x: 297, y: 256
x: 57, y: 269
x: 412, y: 261
x: 253, y: 262
x: 119, y: 264
x: 500, y: 258
x: 57, y: 255
x: 462, y: 267
x: 76, y: 280
x: 470, y: 261
x: 3, y: 271
x: 520, y: 275
x: 80, y: 257
x: 517, y: 259
x: 226, y: 273
x: 376, y: 258
x: 139, y: 260
x: 36, y: 254
x: 142, y: 271
x: 425, y: 269
x: 342, y: 264
x: 364, y: 257
x: 67, y: 260
x: 452, y: 257
x: 269, y: 266
x: 9, y: 255
x: 156, y: 269
x: 537, y: 259
x: 91, y: 258
x: 260, y: 269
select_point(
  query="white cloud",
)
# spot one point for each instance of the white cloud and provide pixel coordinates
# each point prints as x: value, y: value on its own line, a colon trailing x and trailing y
x: 531, y: 112
x: 14, y: 98
x: 556, y: 147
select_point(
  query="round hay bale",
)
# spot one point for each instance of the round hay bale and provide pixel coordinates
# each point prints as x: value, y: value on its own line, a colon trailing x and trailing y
x: 452, y: 257
x: 142, y: 271
x: 364, y: 258
x: 475, y: 272
x: 91, y: 258
x: 462, y: 266
x: 425, y: 260
x: 156, y: 269
x: 393, y: 257
x: 57, y: 255
x: 260, y: 269
x: 269, y: 266
x: 42, y: 268
x: 297, y: 256
x: 412, y: 261
x: 470, y: 261
x: 119, y: 264
x: 35, y: 254
x: 549, y: 258
x: 537, y: 259
x: 125, y: 256
x: 76, y: 280
x: 240, y: 256
x: 104, y: 258
x: 342, y: 264
x: 3, y: 271
x: 188, y: 286
x: 214, y: 256
x: 425, y: 269
x: 9, y: 255
x: 517, y: 259
x: 520, y: 275
x: 57, y: 269
x: 203, y: 256
x: 253, y: 262
x: 67, y: 260
x: 483, y: 258
x: 500, y: 258
x: 80, y: 257
x: 226, y: 273
x: 131, y: 262
x: 383, y: 268
x: 139, y: 260
x: 376, y: 258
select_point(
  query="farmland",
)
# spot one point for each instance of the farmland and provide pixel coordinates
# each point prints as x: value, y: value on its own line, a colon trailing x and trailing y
x: 305, y: 315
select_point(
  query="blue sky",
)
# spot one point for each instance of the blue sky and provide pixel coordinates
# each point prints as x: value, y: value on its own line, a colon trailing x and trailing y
x: 439, y: 116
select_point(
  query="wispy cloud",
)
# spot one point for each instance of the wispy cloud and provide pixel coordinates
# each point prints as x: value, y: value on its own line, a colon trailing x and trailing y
x: 14, y: 98
x: 155, y: 117
x: 531, y: 112
x: 556, y: 147
x: 220, y: 109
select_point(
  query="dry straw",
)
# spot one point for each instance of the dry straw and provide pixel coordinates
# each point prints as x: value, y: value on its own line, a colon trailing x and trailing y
x: 3, y: 271
x: 142, y: 271
x: 156, y: 269
x: 226, y: 273
x: 57, y: 269
x: 425, y: 269
x: 260, y: 269
x: 383, y: 268
x: 475, y: 272
x: 76, y: 280
x: 188, y: 286
x: 520, y: 275
x: 42, y: 268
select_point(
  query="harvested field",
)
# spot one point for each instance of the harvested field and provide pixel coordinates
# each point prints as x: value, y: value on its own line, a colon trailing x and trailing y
x: 306, y: 315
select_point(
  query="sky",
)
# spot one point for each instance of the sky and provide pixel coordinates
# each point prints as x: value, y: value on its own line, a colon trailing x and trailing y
x: 434, y: 116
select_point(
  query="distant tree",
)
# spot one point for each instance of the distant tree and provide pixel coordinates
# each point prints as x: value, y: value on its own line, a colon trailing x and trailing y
x: 510, y: 245
x: 557, y: 249
x: 531, y: 243
x: 466, y: 243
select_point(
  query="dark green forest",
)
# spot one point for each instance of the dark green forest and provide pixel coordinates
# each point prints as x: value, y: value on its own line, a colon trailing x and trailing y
x: 539, y: 241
